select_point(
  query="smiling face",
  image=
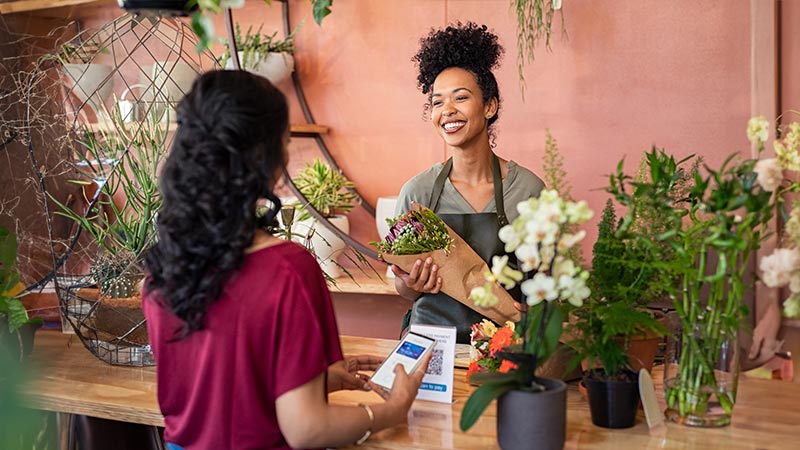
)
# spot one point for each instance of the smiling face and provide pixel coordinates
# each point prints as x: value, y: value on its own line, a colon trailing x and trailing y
x: 457, y: 109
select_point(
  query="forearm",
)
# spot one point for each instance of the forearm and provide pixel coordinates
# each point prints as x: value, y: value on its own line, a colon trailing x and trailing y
x: 343, y: 425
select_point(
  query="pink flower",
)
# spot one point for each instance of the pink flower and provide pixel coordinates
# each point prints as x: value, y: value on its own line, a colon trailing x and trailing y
x: 770, y: 174
x: 777, y: 268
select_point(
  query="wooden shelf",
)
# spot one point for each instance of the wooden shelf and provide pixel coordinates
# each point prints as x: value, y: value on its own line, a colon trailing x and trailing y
x: 363, y: 284
x: 297, y: 130
x: 18, y: 6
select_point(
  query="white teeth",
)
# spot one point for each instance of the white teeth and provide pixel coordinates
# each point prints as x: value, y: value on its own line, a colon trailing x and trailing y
x: 450, y: 126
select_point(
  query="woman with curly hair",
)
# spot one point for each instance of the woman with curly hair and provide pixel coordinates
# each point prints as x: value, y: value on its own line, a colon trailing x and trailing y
x: 475, y: 192
x: 241, y: 322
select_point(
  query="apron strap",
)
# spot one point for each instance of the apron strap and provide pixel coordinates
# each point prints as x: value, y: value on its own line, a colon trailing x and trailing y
x: 438, y: 185
x: 499, y: 205
x: 497, y: 179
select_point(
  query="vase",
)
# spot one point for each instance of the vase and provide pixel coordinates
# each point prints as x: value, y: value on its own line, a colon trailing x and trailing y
x: 613, y: 404
x: 323, y: 242
x: 533, y: 420
x: 276, y: 67
x: 700, y: 376
x: 91, y: 84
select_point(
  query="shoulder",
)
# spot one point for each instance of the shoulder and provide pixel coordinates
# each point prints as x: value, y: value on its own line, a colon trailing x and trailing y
x: 522, y: 179
x: 286, y: 257
x: 418, y: 188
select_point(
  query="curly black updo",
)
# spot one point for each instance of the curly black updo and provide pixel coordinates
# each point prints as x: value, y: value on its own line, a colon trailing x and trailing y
x: 227, y: 153
x: 469, y: 46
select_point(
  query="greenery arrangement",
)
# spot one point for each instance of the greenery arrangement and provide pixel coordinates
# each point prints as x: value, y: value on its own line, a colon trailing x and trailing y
x: 124, y: 161
x: 414, y: 232
x: 328, y: 191
x: 11, y: 308
x: 203, y: 9
x: 540, y: 242
x: 621, y: 281
x: 722, y: 218
x: 256, y: 46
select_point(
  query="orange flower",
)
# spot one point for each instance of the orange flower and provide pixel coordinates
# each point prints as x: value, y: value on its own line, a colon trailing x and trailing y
x: 473, y: 367
x: 501, y: 339
x: 506, y: 366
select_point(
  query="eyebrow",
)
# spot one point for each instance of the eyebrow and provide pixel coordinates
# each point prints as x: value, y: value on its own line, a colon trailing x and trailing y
x: 453, y: 91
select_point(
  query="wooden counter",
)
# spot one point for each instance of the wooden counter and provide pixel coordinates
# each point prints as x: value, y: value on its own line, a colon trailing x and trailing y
x: 767, y: 414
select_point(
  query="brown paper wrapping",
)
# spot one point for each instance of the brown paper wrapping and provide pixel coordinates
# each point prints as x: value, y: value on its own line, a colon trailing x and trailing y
x: 461, y: 271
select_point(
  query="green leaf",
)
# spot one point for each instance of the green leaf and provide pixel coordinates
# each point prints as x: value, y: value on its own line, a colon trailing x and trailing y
x: 481, y: 398
x: 321, y: 9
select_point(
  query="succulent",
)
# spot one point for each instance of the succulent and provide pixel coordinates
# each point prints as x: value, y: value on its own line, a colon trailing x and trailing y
x: 116, y: 275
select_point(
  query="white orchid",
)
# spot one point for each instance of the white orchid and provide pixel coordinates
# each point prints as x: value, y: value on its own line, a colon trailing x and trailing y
x: 509, y: 236
x: 504, y: 274
x: 541, y: 287
x: 528, y: 257
x: 483, y: 296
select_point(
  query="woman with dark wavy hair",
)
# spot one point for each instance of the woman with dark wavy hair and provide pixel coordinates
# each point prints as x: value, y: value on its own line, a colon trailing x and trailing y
x: 475, y: 192
x: 241, y: 322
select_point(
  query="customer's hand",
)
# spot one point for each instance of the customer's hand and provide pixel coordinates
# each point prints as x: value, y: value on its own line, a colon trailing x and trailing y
x: 344, y: 374
x: 404, y: 388
x: 423, y: 277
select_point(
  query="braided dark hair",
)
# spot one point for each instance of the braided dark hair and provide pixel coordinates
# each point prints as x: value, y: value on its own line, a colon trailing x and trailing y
x: 227, y: 153
x: 471, y: 47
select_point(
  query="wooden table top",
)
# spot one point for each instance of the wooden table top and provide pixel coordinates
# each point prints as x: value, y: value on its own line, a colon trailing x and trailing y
x: 72, y: 380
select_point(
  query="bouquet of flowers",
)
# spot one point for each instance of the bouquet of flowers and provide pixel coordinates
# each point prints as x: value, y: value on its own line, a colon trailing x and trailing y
x: 419, y: 234
x: 486, y: 340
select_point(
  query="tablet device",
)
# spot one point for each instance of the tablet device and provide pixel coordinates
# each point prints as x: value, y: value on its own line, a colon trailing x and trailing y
x: 409, y: 352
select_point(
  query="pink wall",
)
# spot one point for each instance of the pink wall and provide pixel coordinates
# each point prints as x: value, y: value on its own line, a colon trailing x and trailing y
x: 790, y: 58
x: 674, y: 74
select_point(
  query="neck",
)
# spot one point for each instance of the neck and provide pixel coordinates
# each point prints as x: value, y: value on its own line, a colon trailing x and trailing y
x: 472, y: 166
x: 261, y: 239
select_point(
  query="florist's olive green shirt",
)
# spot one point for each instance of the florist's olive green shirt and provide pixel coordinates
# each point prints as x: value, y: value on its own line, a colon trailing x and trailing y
x: 519, y: 184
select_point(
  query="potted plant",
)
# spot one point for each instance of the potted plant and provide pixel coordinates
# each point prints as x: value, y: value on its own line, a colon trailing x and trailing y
x: 531, y: 409
x: 328, y: 192
x: 606, y: 327
x: 263, y: 54
x: 121, y: 222
x: 16, y: 328
x: 91, y: 82
x: 713, y: 232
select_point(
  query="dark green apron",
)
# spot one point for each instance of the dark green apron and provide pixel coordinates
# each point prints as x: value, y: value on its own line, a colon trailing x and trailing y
x: 479, y: 230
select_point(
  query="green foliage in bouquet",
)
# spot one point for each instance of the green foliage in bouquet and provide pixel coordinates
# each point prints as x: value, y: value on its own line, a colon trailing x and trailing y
x: 414, y: 232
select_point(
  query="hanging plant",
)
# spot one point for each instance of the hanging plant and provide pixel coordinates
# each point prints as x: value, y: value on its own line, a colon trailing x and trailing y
x: 534, y: 24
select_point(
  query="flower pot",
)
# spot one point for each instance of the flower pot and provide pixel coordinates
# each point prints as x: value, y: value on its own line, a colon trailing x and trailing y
x: 19, y: 344
x: 276, y: 67
x: 613, y: 404
x: 325, y: 244
x: 91, y: 84
x: 384, y: 209
x: 533, y: 420
x: 166, y: 82
x: 697, y: 396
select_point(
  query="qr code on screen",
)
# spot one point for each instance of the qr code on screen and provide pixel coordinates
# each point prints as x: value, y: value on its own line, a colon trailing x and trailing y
x: 435, y: 366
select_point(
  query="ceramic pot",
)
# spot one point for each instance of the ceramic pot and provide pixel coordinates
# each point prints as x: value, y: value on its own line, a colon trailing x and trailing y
x: 613, y: 404
x: 384, y: 209
x: 533, y: 420
x: 91, y: 84
x: 324, y: 243
x: 276, y: 67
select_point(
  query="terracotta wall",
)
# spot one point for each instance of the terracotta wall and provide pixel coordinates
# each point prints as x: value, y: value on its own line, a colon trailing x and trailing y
x: 623, y: 78
x: 790, y: 58
x: 673, y: 74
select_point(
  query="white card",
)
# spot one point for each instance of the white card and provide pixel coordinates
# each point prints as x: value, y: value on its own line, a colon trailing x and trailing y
x: 437, y: 385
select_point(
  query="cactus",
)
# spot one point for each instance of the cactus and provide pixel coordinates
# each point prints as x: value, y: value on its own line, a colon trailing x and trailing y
x: 116, y: 275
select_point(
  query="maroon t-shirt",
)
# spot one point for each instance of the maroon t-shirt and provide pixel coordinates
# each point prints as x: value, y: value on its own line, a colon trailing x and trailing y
x: 271, y: 331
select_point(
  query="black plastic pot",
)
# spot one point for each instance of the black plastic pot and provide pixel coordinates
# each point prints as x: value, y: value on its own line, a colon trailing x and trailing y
x: 176, y: 7
x: 613, y: 404
x: 533, y: 420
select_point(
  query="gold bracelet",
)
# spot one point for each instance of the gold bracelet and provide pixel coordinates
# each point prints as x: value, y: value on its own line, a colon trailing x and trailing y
x: 371, y: 415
